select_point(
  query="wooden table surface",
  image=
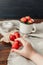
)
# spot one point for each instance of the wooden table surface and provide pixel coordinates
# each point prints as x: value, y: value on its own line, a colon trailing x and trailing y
x: 4, y: 53
x: 5, y: 50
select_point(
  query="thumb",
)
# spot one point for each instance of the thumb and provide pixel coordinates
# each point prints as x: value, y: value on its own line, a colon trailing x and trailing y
x: 15, y: 50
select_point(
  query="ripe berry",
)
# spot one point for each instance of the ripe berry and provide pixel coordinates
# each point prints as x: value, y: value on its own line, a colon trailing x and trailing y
x: 28, y: 17
x: 23, y: 20
x: 17, y: 35
x: 31, y: 21
x: 16, y: 44
x: 12, y: 37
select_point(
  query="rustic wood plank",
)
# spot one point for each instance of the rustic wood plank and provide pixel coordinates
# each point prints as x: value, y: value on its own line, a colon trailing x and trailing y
x: 4, y: 53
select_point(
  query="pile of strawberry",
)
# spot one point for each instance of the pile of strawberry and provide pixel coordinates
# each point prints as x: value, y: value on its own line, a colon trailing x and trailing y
x: 16, y: 44
x: 27, y: 19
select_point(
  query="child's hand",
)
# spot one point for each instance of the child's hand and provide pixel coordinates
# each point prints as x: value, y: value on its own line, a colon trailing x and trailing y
x: 27, y: 49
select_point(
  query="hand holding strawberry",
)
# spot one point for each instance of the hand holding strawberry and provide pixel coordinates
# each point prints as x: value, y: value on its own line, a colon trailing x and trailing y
x: 16, y: 43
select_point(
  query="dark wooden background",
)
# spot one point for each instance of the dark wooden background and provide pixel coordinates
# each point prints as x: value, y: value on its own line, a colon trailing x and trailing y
x: 19, y: 8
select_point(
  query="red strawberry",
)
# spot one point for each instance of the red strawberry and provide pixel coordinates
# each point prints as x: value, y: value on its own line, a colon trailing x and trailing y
x: 17, y: 35
x: 23, y: 20
x: 20, y: 44
x: 28, y: 17
x: 30, y: 21
x: 16, y: 44
x: 12, y: 37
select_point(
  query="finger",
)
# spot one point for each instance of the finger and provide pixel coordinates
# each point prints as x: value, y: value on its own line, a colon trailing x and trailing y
x: 22, y: 41
x: 15, y: 50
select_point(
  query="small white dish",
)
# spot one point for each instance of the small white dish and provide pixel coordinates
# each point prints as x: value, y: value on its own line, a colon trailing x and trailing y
x: 7, y: 26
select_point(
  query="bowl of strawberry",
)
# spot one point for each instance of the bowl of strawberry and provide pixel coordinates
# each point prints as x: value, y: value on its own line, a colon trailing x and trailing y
x: 26, y: 25
x: 16, y: 44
